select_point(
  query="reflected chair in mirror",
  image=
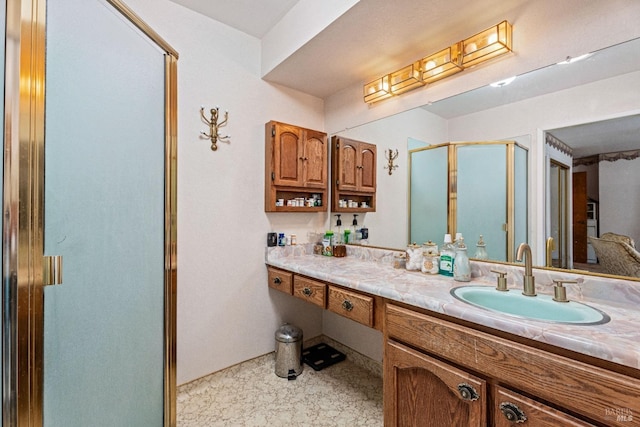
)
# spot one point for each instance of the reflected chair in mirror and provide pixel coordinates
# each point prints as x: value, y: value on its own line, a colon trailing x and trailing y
x: 619, y: 237
x: 616, y: 256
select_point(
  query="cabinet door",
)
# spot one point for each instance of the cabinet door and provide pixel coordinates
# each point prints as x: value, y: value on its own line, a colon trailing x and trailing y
x: 314, y: 159
x: 287, y: 157
x: 367, y: 167
x: 347, y: 165
x: 422, y: 391
x: 512, y: 409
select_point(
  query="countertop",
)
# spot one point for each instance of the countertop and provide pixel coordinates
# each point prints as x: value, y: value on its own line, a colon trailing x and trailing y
x: 370, y: 270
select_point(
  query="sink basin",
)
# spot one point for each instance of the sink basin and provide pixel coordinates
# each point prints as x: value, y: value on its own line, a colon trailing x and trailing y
x: 541, y: 307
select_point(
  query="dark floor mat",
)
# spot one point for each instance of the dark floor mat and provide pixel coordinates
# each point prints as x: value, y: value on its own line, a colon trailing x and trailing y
x: 321, y: 355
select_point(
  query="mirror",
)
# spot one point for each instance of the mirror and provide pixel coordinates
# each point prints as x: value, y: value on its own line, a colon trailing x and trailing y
x: 558, y: 100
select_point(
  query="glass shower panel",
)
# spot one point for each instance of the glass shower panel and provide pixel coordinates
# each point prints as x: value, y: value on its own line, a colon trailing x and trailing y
x: 428, y: 194
x: 482, y: 197
x: 104, y: 213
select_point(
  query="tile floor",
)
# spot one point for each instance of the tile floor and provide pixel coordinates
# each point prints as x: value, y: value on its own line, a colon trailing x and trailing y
x: 250, y: 394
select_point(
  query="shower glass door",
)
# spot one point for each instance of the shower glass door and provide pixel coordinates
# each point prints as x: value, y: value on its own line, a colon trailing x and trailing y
x: 104, y: 214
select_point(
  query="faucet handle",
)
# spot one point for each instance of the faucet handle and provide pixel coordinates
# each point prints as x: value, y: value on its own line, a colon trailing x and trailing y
x: 559, y: 291
x: 502, y: 280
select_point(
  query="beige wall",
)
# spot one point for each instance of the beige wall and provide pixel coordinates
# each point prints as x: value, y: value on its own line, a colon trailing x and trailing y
x: 225, y: 312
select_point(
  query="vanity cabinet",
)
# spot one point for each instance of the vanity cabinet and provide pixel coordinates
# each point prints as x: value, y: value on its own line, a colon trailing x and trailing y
x: 353, y: 175
x: 548, y: 389
x: 357, y: 306
x: 296, y: 168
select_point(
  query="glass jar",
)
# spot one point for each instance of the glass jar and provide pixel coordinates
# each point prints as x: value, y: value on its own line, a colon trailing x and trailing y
x: 414, y: 257
x: 430, y: 262
x: 400, y: 261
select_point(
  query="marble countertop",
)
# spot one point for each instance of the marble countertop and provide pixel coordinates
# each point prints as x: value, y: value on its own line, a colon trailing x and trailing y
x: 371, y: 271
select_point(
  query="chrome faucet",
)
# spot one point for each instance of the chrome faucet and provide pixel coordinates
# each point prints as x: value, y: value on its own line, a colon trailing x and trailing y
x: 529, y: 288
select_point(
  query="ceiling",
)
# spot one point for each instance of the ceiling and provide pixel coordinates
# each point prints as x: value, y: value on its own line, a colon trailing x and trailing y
x: 367, y: 41
x: 254, y: 17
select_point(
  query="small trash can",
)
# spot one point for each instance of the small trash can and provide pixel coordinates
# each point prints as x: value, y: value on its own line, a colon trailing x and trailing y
x: 288, y: 351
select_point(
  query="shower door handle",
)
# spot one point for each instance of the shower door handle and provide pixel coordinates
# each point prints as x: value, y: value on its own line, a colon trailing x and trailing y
x: 52, y: 270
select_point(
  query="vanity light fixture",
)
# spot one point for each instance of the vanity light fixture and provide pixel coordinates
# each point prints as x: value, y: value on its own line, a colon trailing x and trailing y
x: 483, y: 46
x: 441, y: 64
x: 487, y: 44
x: 406, y: 79
x: 377, y: 90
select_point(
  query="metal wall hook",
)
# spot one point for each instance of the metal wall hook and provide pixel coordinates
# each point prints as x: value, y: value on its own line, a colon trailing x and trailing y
x: 391, y: 156
x: 214, y: 126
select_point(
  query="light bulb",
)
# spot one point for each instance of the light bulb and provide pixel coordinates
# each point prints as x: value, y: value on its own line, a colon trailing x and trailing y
x: 470, y: 48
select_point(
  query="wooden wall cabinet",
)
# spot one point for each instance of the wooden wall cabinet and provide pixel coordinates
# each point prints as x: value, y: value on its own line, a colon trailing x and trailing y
x: 353, y: 174
x: 570, y: 392
x: 296, y: 167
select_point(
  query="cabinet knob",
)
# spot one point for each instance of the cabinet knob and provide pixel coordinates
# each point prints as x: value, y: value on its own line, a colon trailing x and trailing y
x: 467, y: 392
x: 347, y: 305
x: 307, y: 291
x: 277, y: 280
x: 512, y: 412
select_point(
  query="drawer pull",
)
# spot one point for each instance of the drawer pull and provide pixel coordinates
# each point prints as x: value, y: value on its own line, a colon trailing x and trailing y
x: 277, y: 280
x: 307, y: 291
x: 512, y: 412
x: 347, y: 305
x: 467, y: 392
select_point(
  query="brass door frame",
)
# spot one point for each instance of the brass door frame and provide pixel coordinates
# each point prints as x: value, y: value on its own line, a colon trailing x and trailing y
x: 23, y: 213
x: 563, y: 214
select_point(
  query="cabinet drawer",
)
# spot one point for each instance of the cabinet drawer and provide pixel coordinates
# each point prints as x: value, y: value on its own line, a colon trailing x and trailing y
x: 582, y: 388
x: 353, y: 305
x: 280, y: 280
x: 511, y: 408
x: 310, y: 290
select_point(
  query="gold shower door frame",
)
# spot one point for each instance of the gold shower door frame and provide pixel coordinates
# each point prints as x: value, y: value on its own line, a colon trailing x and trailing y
x: 23, y: 213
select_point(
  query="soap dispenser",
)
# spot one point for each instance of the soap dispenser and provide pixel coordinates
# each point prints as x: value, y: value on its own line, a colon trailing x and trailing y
x: 354, y: 228
x: 338, y: 237
x: 461, y: 265
x: 481, y: 250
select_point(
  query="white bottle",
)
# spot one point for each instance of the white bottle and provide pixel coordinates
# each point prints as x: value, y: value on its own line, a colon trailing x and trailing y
x: 447, y: 256
x: 461, y: 265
